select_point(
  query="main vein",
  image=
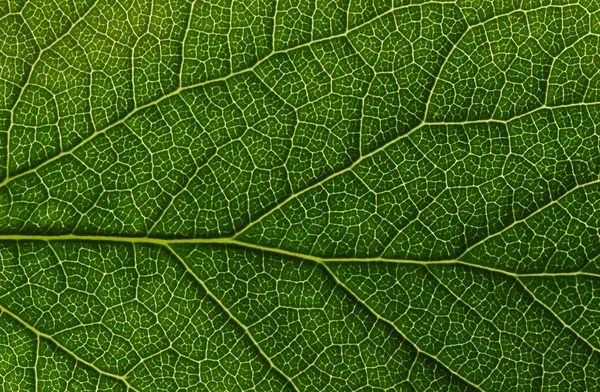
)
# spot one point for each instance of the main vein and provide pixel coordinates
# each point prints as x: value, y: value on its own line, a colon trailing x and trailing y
x: 228, y: 241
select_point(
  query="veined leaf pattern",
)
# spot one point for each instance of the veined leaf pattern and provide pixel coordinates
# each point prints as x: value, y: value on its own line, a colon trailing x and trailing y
x: 299, y: 195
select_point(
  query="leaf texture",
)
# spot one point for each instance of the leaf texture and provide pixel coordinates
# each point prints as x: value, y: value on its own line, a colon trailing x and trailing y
x: 313, y: 195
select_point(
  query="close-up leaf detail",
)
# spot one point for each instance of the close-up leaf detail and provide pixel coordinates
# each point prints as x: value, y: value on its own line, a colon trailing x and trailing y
x: 309, y: 195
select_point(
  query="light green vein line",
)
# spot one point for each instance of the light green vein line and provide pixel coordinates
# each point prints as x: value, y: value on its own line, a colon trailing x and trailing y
x: 36, y: 376
x: 478, y: 313
x: 523, y: 219
x: 455, y: 45
x: 549, y: 309
x: 591, y: 263
x: 329, y: 177
x: 513, y: 118
x: 231, y: 316
x: 567, y: 47
x: 40, y: 335
x: 391, y: 323
x: 458, y: 299
x: 186, y: 32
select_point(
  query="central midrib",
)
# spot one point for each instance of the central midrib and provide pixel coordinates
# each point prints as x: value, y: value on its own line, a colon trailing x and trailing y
x: 248, y: 245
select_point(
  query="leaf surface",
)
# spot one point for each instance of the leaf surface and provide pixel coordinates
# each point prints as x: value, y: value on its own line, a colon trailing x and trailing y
x: 314, y: 195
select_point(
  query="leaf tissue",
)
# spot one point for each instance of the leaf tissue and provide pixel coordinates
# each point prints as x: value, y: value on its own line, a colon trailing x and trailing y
x: 300, y: 195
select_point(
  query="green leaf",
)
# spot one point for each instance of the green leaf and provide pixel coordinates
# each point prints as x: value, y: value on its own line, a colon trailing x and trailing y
x: 307, y: 195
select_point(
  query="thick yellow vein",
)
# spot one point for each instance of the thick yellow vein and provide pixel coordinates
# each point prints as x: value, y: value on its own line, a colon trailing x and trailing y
x: 282, y: 252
